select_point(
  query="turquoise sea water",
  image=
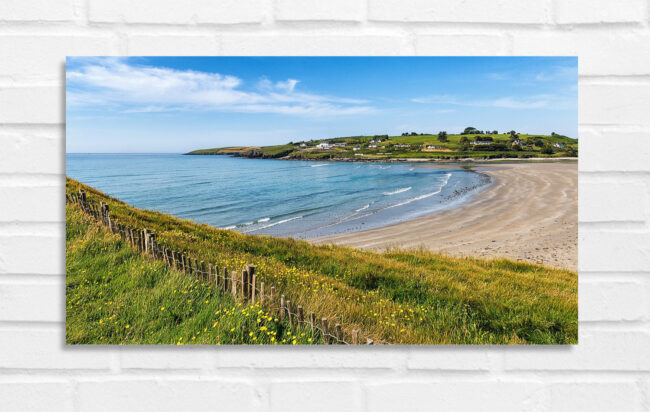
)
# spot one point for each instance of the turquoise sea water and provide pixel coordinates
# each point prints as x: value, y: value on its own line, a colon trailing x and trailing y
x: 301, y: 199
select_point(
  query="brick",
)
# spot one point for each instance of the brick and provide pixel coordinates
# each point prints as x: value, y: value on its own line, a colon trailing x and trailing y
x: 611, y: 301
x: 449, y: 358
x: 45, y: 104
x: 157, y: 395
x: 42, y: 255
x: 323, y: 396
x: 32, y: 204
x: 460, y: 45
x: 168, y: 45
x: 472, y: 11
x: 43, y: 57
x: 613, y: 251
x: 173, y: 12
x: 36, y: 396
x: 616, y: 202
x: 165, y: 357
x: 37, y: 10
x: 595, y: 396
x: 287, y: 357
x: 45, y: 349
x: 454, y: 396
x: 600, y: 52
x: 297, y: 45
x: 336, y: 10
x: 614, y: 103
x: 32, y: 302
x: 599, y: 350
x: 28, y: 150
x: 597, y: 153
x: 599, y: 11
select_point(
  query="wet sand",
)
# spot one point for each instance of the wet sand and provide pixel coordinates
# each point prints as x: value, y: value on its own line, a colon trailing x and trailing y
x: 529, y: 213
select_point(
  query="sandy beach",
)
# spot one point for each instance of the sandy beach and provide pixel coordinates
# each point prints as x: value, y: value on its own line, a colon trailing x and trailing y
x: 529, y: 213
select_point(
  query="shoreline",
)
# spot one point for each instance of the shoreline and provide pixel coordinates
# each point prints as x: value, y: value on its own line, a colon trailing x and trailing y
x: 503, y: 220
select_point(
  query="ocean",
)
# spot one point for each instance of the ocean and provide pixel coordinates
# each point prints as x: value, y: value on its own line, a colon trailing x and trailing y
x: 300, y: 199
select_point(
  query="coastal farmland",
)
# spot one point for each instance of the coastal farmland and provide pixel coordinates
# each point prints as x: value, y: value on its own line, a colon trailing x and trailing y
x: 468, y: 144
x: 396, y: 297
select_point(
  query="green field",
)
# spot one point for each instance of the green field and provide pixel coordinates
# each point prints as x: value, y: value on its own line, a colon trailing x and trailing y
x: 501, y: 146
x: 401, y: 297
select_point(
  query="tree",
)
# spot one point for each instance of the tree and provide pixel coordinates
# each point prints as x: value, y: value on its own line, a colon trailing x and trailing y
x: 513, y: 135
x: 470, y: 130
x: 442, y: 136
x: 464, y: 140
x: 539, y: 143
x: 547, y: 149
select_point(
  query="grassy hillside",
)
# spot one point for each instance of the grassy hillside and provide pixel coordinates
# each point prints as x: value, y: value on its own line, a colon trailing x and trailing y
x: 398, y: 297
x: 456, y: 146
x: 116, y: 296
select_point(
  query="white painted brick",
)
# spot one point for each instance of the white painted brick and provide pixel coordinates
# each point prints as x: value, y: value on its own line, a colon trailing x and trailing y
x: 623, y: 202
x: 29, y: 150
x: 32, y: 255
x: 339, y: 10
x: 25, y: 204
x: 599, y: 52
x: 472, y: 11
x: 158, y: 395
x: 46, y: 349
x: 172, y: 45
x: 33, y: 104
x: 164, y: 357
x: 173, y: 12
x: 32, y: 302
x: 454, y: 396
x: 320, y: 396
x: 614, y: 103
x: 612, y: 251
x: 595, y: 396
x: 598, y: 350
x: 36, y: 10
x: 460, y: 45
x: 599, y: 11
x: 449, y: 358
x: 36, y: 396
x: 288, y: 357
x: 260, y: 44
x: 39, y: 57
x: 612, y: 301
x: 597, y: 153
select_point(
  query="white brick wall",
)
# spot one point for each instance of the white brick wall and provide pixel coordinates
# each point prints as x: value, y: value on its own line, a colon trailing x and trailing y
x: 608, y: 370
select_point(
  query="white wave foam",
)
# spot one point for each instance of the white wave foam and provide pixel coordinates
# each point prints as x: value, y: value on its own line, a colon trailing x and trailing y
x: 229, y: 227
x: 424, y: 196
x: 279, y: 222
x: 363, y: 208
x: 402, y: 190
x: 320, y: 164
x: 266, y: 219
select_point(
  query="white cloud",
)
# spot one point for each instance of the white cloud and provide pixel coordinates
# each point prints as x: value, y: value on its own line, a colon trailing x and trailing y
x: 507, y: 102
x: 114, y: 84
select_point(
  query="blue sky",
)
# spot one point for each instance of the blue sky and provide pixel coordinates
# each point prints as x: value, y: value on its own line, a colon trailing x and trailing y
x: 177, y: 104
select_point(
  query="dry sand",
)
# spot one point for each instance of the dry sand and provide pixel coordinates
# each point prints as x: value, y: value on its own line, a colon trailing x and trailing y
x: 529, y: 213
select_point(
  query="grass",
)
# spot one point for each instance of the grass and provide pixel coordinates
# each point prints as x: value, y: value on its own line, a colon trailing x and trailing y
x: 404, y: 297
x: 116, y: 296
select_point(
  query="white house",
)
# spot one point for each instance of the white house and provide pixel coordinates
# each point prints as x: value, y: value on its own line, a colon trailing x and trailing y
x: 372, y: 146
x: 560, y: 145
x: 403, y: 146
x: 480, y: 143
x: 338, y: 145
x: 323, y: 145
x: 356, y: 148
x: 432, y: 147
x: 303, y: 145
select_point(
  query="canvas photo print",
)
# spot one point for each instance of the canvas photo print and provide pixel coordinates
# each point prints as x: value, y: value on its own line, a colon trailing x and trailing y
x: 321, y: 200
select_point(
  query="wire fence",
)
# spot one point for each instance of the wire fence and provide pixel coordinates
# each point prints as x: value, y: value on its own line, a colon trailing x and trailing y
x: 242, y: 285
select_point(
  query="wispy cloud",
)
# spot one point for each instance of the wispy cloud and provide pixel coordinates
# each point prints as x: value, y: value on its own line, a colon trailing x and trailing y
x: 558, y: 73
x: 114, y: 84
x: 507, y: 102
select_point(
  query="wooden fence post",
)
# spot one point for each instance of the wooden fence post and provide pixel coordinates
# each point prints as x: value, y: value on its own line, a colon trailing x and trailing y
x: 197, y: 271
x: 244, y: 284
x: 323, y: 323
x: 339, y: 333
x: 355, y: 336
x: 281, y: 307
x: 210, y: 276
x: 289, y: 313
x: 312, y: 322
x: 250, y: 269
x: 301, y: 317
x: 253, y: 281
x: 261, y: 292
x: 272, y: 293
x: 202, y: 271
x: 234, y: 283
x: 225, y: 278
